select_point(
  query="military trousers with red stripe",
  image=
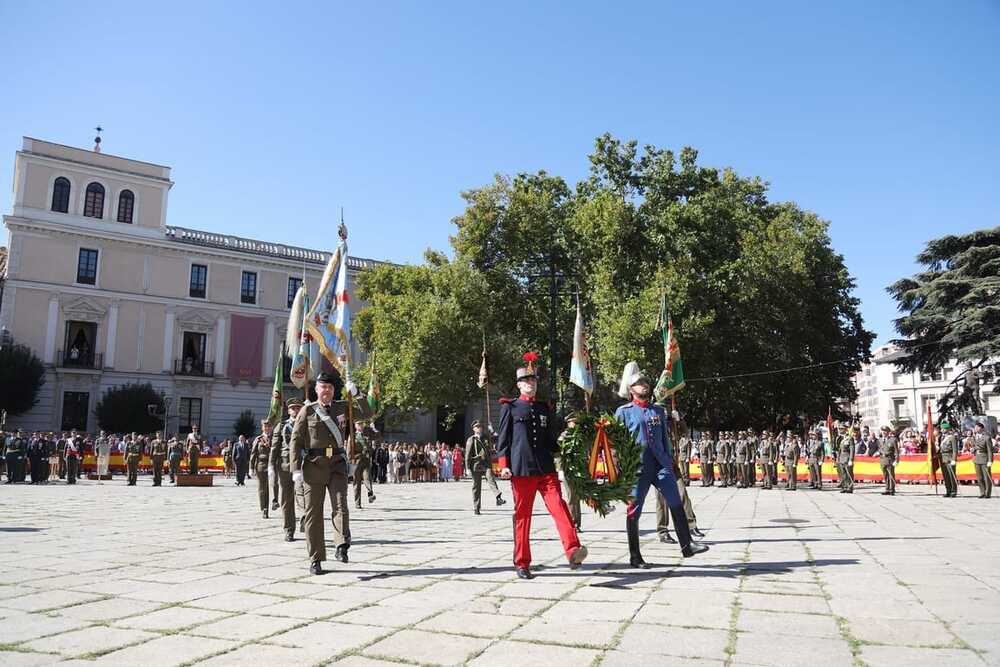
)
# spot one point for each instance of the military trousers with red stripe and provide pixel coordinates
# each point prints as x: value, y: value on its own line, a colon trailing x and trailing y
x: 524, y: 489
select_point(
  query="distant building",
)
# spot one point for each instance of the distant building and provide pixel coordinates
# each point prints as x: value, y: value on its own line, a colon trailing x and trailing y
x: 889, y: 396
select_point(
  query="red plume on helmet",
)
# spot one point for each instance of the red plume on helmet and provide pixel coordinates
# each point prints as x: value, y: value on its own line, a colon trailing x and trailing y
x: 530, y: 358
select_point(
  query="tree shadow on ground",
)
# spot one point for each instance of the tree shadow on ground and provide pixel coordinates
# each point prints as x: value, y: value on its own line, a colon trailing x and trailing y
x: 19, y: 529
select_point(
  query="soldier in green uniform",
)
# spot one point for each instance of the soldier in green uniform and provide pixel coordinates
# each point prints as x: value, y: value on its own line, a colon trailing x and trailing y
x: 888, y: 455
x: 157, y: 452
x: 362, y: 463
x: 479, y: 461
x: 982, y: 452
x: 949, y: 456
x: 770, y: 447
x: 260, y: 457
x: 753, y: 447
x: 724, y: 454
x: 133, y: 455
x: 845, y: 461
x: 175, y: 453
x: 194, y: 443
x: 319, y: 461
x: 815, y: 454
x: 281, y: 456
x: 684, y: 458
x: 792, y: 452
x: 706, y: 457
x: 741, y: 460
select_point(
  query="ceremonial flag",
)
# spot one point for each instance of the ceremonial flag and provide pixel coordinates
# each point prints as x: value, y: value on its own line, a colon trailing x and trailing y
x: 299, y: 342
x: 374, y: 393
x: 484, y: 373
x: 580, y: 372
x: 930, y: 445
x: 672, y: 378
x: 329, y: 320
x: 274, y: 414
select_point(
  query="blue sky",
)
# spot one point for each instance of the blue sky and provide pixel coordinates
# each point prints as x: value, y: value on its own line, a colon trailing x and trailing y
x: 880, y: 117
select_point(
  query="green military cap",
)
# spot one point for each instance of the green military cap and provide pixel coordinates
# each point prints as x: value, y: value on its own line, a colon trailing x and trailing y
x: 293, y: 403
x: 945, y: 426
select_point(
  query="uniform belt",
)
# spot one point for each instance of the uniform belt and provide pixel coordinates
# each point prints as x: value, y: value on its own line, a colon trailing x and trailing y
x: 329, y: 451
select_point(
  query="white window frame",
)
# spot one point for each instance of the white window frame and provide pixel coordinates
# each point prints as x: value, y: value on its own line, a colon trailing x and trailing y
x: 76, y: 269
x: 82, y: 201
x: 135, y: 205
x: 239, y: 287
x: 208, y: 272
x: 73, y: 192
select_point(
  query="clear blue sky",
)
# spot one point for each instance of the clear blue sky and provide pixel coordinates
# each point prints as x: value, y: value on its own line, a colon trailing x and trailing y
x: 882, y: 117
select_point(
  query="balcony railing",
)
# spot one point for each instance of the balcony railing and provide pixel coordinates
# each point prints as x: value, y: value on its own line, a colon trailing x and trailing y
x: 75, y: 358
x: 194, y: 368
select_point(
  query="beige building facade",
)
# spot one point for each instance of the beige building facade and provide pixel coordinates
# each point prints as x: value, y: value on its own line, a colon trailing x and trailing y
x: 106, y: 293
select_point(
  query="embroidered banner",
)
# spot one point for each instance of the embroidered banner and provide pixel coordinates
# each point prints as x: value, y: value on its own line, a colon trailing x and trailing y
x: 246, y: 348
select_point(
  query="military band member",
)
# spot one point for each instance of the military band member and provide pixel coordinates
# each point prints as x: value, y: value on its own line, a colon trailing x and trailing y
x: 479, y: 462
x: 845, y: 461
x: 362, y: 464
x: 982, y: 452
x: 526, y: 446
x: 260, y: 457
x: 281, y: 457
x: 319, y: 461
x: 888, y: 455
x: 792, y: 452
x: 706, y: 457
x: 175, y: 454
x: 649, y: 425
x: 194, y: 443
x: 949, y: 457
x: 133, y: 455
x: 815, y: 452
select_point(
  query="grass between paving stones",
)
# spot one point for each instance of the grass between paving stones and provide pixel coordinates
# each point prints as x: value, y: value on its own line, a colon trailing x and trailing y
x: 51, y: 610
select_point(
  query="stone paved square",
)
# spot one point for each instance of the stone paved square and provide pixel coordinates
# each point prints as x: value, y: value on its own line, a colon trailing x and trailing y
x: 792, y: 578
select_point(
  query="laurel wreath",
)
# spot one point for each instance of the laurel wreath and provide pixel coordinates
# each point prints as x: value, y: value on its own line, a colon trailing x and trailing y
x: 576, y: 447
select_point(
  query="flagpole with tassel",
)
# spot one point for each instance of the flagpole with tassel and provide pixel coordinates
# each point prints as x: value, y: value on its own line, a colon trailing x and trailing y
x: 484, y: 383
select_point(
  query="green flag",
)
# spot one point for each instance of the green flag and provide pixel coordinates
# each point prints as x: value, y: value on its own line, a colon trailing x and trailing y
x: 672, y: 378
x: 274, y: 414
x: 374, y: 393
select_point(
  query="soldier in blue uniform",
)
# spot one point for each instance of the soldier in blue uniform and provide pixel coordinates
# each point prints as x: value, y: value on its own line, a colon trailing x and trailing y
x: 526, y: 445
x: 649, y: 424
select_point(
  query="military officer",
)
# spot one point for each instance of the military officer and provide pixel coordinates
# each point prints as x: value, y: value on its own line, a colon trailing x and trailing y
x: 362, y: 463
x: 982, y: 452
x: 194, y: 443
x: 281, y: 456
x: 706, y: 457
x: 684, y: 458
x: 845, y: 461
x: 649, y: 425
x: 815, y: 453
x: 260, y: 457
x: 157, y: 452
x: 133, y: 455
x: 73, y: 455
x: 175, y: 453
x: 526, y: 446
x: 751, y: 467
x: 319, y: 461
x: 663, y: 513
x: 723, y: 454
x: 741, y: 461
x: 888, y: 455
x: 949, y: 456
x: 770, y: 445
x: 479, y: 462
x: 792, y: 452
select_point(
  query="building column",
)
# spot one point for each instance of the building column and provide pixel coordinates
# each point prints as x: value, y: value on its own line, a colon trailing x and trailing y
x: 220, y: 345
x: 111, y: 339
x: 269, y: 349
x: 50, y: 330
x: 168, y: 341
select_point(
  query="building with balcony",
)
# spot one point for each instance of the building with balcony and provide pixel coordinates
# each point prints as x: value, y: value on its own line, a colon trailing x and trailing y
x: 106, y: 293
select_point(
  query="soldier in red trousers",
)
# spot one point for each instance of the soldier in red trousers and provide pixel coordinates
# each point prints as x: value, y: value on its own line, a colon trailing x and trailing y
x: 525, y: 447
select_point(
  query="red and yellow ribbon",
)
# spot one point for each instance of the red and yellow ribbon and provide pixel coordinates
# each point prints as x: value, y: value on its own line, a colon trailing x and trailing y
x: 602, y: 447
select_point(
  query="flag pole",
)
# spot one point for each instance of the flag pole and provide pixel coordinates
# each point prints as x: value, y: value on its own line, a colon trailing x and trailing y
x: 486, y: 387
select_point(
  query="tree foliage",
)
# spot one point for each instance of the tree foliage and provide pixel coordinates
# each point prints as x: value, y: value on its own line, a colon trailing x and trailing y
x: 951, y: 310
x: 245, y: 424
x: 752, y: 285
x: 21, y: 377
x: 125, y: 408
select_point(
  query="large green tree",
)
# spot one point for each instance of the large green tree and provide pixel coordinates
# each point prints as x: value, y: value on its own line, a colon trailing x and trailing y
x: 753, y: 285
x: 951, y: 310
x: 21, y: 377
x: 126, y: 408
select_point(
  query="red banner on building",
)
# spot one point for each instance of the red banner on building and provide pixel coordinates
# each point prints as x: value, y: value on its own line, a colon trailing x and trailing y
x: 246, y: 348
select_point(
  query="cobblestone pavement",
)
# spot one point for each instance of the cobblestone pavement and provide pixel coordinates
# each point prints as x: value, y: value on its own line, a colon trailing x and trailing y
x: 110, y: 574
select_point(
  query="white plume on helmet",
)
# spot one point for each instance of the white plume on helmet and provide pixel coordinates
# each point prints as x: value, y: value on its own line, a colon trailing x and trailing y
x: 630, y: 375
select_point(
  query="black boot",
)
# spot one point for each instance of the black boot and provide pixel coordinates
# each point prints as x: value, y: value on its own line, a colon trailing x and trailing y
x: 632, y: 531
x: 688, y: 547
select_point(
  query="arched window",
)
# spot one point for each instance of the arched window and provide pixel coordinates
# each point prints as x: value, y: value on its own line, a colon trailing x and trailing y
x: 126, y: 202
x: 93, y: 205
x: 60, y: 195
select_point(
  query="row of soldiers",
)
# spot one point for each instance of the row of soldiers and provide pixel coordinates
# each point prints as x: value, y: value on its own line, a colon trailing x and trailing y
x: 23, y: 455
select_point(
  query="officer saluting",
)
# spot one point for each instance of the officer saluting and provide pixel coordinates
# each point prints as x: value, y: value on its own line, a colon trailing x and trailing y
x: 319, y: 461
x: 526, y: 444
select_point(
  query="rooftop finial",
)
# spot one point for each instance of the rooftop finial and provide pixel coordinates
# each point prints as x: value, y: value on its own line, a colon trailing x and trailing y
x: 97, y: 139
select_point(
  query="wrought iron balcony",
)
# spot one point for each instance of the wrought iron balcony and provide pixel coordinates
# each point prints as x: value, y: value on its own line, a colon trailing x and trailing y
x: 194, y: 368
x: 75, y: 358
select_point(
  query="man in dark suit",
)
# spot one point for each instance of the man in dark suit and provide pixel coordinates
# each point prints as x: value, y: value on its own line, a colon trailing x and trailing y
x: 241, y: 459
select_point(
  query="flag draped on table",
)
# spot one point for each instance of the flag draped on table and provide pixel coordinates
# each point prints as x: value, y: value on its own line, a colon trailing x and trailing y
x: 329, y: 320
x: 672, y: 378
x: 277, y: 403
x: 580, y: 372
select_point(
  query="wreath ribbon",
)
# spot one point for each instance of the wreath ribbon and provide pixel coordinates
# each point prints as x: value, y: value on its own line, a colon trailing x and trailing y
x: 602, y: 446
